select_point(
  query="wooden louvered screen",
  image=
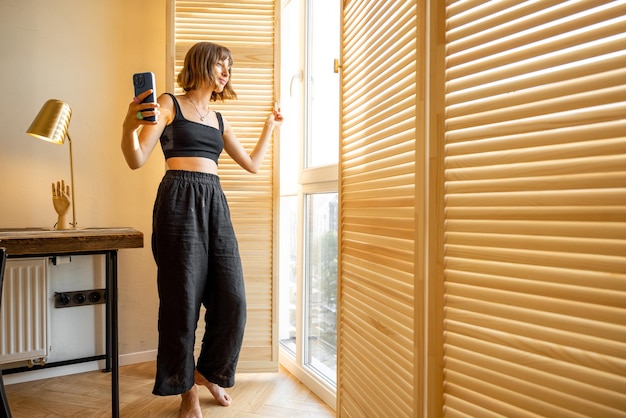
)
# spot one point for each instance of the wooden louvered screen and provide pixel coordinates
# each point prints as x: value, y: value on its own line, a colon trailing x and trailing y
x: 377, y: 360
x: 535, y: 225
x: 247, y: 29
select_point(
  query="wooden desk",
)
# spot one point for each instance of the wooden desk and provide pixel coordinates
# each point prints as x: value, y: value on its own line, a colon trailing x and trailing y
x: 43, y: 242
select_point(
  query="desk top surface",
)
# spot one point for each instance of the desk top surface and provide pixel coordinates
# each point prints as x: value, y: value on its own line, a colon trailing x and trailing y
x: 39, y: 241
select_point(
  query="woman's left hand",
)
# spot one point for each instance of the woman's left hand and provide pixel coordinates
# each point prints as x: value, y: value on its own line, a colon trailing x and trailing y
x: 275, y: 119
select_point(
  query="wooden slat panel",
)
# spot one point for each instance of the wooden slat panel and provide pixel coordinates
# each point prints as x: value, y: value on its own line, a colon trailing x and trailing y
x: 377, y: 192
x: 548, y: 29
x: 535, y: 232
x: 247, y: 29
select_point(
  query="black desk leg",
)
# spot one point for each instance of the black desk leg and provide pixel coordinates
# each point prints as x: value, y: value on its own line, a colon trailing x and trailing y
x: 112, y: 343
x: 108, y: 315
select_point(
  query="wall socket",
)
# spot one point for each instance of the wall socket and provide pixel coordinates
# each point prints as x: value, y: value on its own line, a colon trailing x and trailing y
x: 79, y: 298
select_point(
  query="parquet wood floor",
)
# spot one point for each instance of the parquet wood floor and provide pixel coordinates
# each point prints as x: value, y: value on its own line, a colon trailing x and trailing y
x: 87, y: 395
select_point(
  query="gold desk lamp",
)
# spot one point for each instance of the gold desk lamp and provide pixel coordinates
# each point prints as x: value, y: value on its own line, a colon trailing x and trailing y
x: 51, y: 124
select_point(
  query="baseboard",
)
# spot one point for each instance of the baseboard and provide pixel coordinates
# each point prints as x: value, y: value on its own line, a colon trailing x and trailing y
x: 33, y: 375
x: 140, y: 357
x: 39, y: 374
x: 257, y: 367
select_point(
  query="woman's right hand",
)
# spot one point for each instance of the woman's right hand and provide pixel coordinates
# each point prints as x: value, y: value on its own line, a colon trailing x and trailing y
x: 136, y: 108
x: 137, y: 144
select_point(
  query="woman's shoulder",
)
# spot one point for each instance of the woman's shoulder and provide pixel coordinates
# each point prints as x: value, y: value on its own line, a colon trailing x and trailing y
x: 167, y: 106
x: 168, y: 100
x: 167, y: 97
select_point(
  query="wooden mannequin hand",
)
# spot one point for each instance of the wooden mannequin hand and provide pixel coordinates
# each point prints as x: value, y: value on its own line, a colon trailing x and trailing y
x: 61, y: 201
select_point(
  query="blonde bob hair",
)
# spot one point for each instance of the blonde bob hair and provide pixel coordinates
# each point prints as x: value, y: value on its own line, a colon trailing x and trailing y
x: 198, y: 67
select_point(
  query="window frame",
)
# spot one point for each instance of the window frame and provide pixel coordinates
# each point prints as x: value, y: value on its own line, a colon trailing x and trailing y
x: 311, y: 180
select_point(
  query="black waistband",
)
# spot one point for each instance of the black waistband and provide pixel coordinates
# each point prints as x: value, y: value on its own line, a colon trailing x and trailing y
x: 192, y: 176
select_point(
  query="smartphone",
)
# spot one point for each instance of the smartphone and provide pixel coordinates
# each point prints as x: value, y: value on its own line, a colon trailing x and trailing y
x: 143, y: 82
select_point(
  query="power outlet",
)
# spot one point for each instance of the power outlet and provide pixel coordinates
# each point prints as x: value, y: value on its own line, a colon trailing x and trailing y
x: 79, y: 298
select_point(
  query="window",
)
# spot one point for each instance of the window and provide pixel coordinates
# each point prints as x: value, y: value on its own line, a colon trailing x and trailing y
x: 321, y: 284
x: 308, y: 189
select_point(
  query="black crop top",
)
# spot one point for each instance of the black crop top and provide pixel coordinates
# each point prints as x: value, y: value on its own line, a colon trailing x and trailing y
x: 185, y: 138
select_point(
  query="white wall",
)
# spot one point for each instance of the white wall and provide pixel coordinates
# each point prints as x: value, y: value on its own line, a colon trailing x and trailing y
x: 84, y: 53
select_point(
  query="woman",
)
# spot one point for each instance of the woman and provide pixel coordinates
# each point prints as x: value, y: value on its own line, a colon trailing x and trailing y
x: 193, y: 242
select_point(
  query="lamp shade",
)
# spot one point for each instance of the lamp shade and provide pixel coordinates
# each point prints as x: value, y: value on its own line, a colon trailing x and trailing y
x: 52, y: 122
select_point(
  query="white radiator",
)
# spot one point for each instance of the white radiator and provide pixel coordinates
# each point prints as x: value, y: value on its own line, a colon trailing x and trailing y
x: 24, y: 314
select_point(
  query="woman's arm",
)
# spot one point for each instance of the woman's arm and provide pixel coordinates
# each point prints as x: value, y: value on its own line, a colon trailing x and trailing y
x: 251, y: 162
x: 139, y: 136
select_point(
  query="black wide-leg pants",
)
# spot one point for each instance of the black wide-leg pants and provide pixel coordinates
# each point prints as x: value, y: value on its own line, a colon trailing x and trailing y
x: 197, y: 257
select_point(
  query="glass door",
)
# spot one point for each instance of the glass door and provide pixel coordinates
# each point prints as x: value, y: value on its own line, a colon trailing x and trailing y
x: 309, y: 150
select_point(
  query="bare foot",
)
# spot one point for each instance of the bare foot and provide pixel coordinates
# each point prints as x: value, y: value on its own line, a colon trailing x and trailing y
x: 216, y: 390
x: 190, y: 404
